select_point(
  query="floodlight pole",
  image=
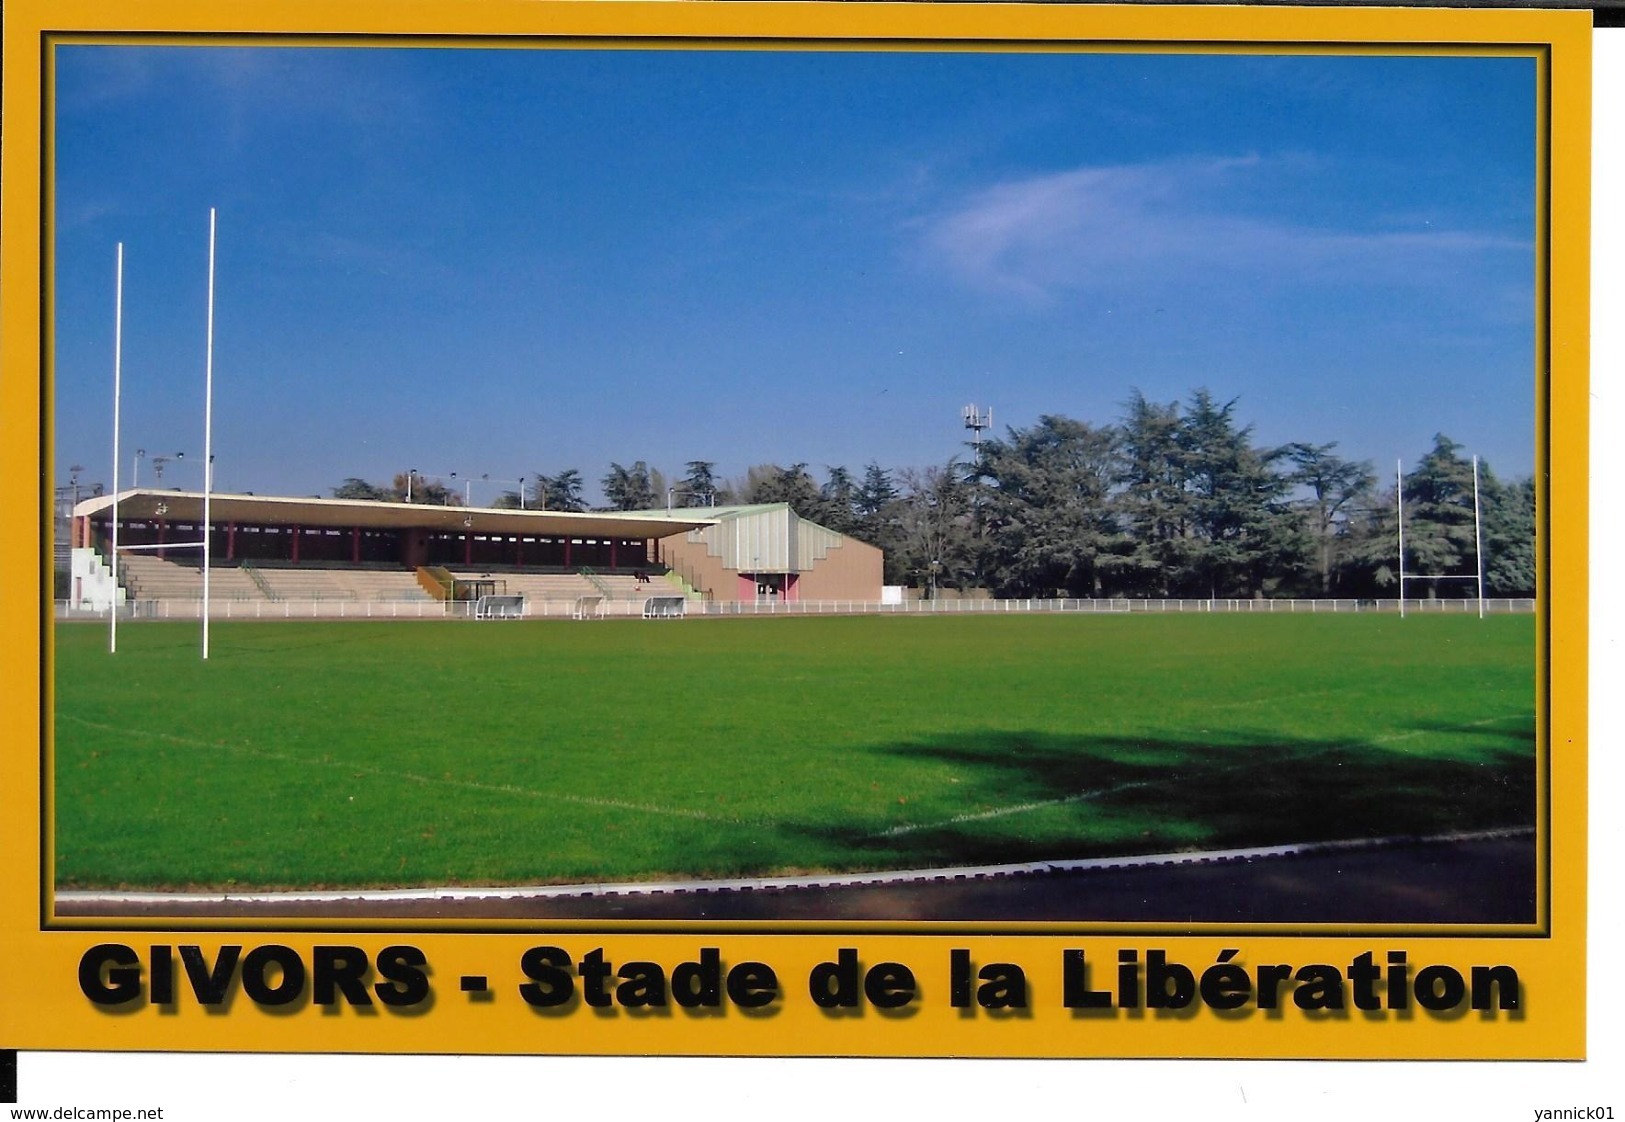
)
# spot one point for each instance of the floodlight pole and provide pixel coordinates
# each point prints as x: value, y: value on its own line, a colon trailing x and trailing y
x: 486, y: 478
x: 1399, y: 494
x: 118, y: 371
x: 208, y: 437
x: 1478, y: 542
x: 710, y: 497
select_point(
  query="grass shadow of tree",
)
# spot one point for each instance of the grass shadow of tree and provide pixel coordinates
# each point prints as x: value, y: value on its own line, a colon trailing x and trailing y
x: 1028, y: 796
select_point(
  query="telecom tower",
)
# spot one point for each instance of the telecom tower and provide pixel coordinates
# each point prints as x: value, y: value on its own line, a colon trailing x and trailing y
x: 976, y: 421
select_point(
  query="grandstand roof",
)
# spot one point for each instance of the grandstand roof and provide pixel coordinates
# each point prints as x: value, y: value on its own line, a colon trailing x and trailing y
x: 717, y: 513
x: 187, y: 506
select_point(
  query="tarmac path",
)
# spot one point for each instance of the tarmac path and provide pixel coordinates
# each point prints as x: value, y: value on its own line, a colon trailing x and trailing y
x: 1463, y: 881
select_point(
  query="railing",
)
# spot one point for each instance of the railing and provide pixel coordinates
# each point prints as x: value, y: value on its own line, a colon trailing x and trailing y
x: 684, y: 574
x: 681, y: 584
x: 563, y: 608
x: 259, y: 580
x: 437, y: 582
x: 598, y: 583
x: 1122, y: 606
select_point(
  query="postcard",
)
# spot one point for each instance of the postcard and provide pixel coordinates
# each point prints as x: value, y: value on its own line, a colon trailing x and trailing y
x: 797, y: 530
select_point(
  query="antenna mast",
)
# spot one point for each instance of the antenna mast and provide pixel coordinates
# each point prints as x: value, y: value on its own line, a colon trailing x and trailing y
x: 976, y: 421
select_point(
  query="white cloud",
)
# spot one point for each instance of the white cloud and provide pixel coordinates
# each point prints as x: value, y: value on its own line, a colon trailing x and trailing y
x: 1165, y: 223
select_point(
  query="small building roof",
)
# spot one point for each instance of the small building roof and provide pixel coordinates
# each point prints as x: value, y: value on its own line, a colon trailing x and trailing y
x: 763, y: 537
x: 268, y: 510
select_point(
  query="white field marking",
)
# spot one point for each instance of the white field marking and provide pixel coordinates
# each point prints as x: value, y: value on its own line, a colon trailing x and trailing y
x: 748, y: 884
x: 1018, y: 808
x: 1251, y: 701
x: 1100, y: 792
x: 466, y: 784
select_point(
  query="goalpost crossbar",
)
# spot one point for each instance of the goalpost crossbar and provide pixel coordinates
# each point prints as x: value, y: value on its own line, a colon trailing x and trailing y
x: 162, y: 545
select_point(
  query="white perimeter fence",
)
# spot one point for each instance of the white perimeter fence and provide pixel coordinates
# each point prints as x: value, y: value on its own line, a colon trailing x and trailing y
x: 634, y: 608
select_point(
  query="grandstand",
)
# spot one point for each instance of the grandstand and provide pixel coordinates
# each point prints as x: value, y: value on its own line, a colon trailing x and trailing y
x: 338, y: 552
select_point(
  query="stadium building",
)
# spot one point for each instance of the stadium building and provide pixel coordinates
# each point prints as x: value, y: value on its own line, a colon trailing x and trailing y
x: 283, y: 548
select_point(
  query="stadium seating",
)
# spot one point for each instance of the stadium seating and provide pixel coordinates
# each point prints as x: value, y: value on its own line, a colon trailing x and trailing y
x: 147, y: 576
x: 320, y: 583
x: 179, y: 577
x: 150, y: 577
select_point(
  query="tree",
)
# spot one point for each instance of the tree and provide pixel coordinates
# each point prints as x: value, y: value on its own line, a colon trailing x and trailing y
x: 877, y: 509
x: 1153, y: 506
x: 770, y: 483
x: 1509, y: 535
x: 1439, y: 533
x: 634, y: 488
x: 934, y: 539
x: 559, y: 492
x: 873, y: 496
x: 838, y: 504
x: 1335, y: 486
x: 1245, y: 530
x: 1367, y: 563
x: 699, y: 486
x: 415, y: 488
x: 354, y: 488
x: 1046, y: 513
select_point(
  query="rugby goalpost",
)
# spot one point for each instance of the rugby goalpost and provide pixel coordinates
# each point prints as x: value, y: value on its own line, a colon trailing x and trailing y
x: 1477, y: 576
x: 208, y: 444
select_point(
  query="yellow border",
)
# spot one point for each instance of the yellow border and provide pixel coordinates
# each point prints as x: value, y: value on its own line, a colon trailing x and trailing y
x: 40, y: 1005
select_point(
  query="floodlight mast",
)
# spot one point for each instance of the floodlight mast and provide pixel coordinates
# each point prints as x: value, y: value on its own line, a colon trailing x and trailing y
x: 710, y: 497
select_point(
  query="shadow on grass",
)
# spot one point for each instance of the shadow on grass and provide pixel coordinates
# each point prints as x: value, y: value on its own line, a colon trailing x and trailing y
x: 1021, y: 796
x: 1033, y: 796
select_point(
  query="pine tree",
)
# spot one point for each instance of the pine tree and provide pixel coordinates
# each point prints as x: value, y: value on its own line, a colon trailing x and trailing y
x: 1439, y: 518
x: 1048, y: 520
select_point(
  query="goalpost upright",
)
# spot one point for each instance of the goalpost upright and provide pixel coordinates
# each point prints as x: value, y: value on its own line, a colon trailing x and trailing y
x: 118, y: 359
x: 1399, y: 496
x: 208, y: 444
x: 208, y: 436
x: 1478, y: 542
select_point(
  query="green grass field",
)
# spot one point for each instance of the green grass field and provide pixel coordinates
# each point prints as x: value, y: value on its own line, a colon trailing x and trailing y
x: 373, y: 754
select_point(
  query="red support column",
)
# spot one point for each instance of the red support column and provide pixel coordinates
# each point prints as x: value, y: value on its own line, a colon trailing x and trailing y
x: 612, y: 544
x: 468, y: 548
x: 296, y: 532
x: 355, y: 545
x: 566, y: 553
x: 162, y: 526
x: 231, y: 541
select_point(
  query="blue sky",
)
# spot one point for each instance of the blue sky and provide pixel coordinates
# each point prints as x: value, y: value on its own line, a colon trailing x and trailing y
x: 504, y: 262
